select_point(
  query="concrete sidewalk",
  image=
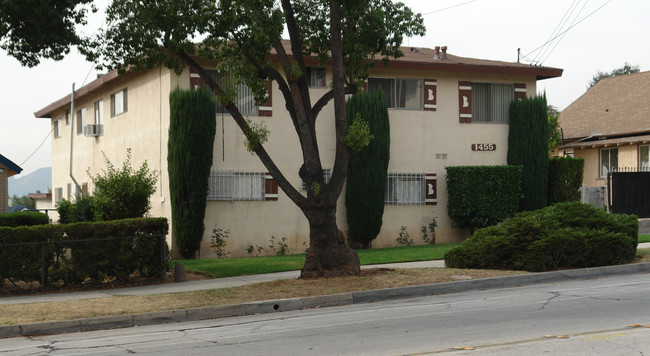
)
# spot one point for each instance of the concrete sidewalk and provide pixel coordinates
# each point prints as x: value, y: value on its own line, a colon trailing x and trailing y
x: 189, y: 286
x: 199, y: 285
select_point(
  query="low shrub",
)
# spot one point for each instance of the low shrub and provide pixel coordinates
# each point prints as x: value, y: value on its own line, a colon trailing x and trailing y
x: 23, y: 218
x: 565, y: 235
x: 83, y: 209
x: 97, y: 257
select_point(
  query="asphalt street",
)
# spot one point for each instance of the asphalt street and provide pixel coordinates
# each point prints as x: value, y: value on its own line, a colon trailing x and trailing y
x: 590, y: 317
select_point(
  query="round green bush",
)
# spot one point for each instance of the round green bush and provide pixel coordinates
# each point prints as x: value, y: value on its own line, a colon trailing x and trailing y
x: 565, y: 235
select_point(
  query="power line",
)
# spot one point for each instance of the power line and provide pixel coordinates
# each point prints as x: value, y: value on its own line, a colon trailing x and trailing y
x: 39, y: 146
x: 567, y: 30
x: 562, y: 37
x: 450, y: 7
x: 558, y: 27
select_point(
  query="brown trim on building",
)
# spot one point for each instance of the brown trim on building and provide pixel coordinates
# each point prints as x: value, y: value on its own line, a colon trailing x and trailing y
x: 465, y: 102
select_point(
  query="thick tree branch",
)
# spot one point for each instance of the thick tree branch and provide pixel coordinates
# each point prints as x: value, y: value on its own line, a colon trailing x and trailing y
x: 335, y: 185
x: 268, y: 162
x: 327, y: 97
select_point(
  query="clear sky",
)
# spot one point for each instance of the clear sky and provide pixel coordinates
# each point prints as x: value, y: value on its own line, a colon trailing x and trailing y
x: 593, y: 35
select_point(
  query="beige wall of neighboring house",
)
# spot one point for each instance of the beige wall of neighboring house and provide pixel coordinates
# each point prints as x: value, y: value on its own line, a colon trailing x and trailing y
x: 612, y: 116
x: 422, y: 142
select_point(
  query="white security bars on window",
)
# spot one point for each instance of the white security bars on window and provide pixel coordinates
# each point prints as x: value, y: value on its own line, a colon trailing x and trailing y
x: 231, y: 185
x: 406, y: 189
x: 245, y: 100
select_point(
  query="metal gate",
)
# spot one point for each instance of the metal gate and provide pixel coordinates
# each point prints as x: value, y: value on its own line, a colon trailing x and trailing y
x: 630, y: 193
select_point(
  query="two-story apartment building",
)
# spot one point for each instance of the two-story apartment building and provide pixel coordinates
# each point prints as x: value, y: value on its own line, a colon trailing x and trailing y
x: 444, y: 110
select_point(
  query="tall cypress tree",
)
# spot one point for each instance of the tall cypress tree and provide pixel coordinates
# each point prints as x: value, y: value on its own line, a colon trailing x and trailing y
x: 528, y: 147
x: 367, y: 169
x: 192, y: 128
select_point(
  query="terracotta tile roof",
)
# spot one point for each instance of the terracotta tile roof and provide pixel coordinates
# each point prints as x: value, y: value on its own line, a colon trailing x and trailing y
x: 414, y: 58
x: 616, y: 106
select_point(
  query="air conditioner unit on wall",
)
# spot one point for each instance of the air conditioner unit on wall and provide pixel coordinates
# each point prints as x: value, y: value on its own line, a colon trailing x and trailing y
x: 93, y: 130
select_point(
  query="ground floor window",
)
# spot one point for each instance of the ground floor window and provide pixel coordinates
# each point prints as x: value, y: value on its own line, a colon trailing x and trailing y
x: 405, y: 189
x: 644, y: 158
x: 608, y: 161
x: 230, y: 185
x: 327, y: 174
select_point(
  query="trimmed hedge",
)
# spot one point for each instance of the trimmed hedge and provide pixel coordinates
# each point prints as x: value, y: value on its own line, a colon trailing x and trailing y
x: 481, y: 196
x: 23, y: 218
x: 367, y: 175
x: 192, y: 127
x: 564, y: 179
x: 565, y: 235
x: 528, y: 147
x: 71, y: 262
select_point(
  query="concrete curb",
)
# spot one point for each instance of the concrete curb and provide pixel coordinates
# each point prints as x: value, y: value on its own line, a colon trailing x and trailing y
x: 273, y: 306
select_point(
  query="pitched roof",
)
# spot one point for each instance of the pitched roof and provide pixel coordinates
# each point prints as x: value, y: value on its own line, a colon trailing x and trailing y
x: 13, y: 168
x: 616, y: 106
x: 414, y: 58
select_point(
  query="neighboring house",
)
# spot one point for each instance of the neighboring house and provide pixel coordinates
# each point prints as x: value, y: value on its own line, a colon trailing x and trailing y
x: 43, y: 204
x: 445, y: 110
x: 7, y: 169
x: 609, y: 127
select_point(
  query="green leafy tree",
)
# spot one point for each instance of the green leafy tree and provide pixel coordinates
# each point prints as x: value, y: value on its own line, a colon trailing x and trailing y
x: 31, y: 30
x: 23, y: 200
x: 627, y: 68
x: 123, y: 193
x: 191, y: 138
x: 367, y: 170
x: 528, y: 139
x: 555, y: 135
x: 240, y: 35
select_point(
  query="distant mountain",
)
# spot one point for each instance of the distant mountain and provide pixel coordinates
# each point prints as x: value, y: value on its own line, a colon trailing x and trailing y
x: 40, y: 179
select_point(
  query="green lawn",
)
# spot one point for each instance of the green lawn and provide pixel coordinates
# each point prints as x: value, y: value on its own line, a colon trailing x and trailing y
x: 229, y: 267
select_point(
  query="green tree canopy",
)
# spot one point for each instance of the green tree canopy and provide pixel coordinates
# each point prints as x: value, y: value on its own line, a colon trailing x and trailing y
x: 34, y: 29
x: 627, y: 68
x: 23, y: 200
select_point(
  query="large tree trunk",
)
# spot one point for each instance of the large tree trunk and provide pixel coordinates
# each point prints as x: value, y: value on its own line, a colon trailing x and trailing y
x: 328, y: 255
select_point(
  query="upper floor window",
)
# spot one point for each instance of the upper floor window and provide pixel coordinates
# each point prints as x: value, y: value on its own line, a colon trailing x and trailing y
x: 491, y: 102
x: 244, y: 98
x: 316, y: 77
x: 99, y: 112
x: 608, y: 161
x: 57, y: 128
x: 400, y: 93
x: 81, y: 120
x: 58, y: 194
x: 67, y: 117
x: 119, y: 102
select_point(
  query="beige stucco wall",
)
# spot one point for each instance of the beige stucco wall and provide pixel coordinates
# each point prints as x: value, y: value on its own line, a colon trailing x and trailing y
x: 416, y: 138
x: 142, y: 128
x: 628, y: 157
